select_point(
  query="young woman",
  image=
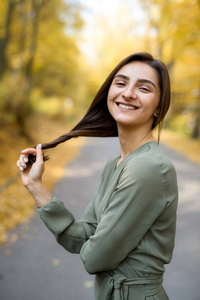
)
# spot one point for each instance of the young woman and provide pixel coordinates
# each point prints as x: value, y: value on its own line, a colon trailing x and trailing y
x: 126, y: 234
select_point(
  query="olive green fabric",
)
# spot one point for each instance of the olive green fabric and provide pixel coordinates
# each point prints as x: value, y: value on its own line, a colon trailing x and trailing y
x: 126, y: 234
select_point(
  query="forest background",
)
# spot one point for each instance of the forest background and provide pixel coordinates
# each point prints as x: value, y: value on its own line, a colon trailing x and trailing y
x: 55, y: 54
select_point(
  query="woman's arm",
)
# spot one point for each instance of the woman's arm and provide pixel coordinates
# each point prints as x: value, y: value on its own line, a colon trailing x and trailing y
x: 71, y: 234
x: 137, y: 202
x: 31, y: 175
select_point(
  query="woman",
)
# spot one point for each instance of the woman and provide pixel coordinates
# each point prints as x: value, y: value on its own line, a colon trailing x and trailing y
x: 126, y: 234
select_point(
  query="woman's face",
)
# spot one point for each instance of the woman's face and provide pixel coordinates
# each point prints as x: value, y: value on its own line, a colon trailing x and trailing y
x: 134, y: 95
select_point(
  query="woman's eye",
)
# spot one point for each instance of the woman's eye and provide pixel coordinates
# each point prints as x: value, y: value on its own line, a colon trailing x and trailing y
x: 144, y: 88
x: 120, y: 83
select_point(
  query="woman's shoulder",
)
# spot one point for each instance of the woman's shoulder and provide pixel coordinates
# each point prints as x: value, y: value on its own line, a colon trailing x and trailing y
x: 151, y: 168
x: 150, y: 160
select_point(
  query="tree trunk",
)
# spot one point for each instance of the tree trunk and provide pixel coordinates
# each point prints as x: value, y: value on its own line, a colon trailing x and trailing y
x: 4, y: 41
x: 25, y: 109
x: 196, y: 128
x: 33, y: 43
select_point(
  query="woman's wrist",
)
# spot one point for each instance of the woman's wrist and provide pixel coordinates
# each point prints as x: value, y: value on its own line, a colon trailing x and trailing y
x: 40, y: 193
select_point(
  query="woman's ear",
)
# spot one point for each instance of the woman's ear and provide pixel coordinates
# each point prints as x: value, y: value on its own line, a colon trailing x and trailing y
x: 156, y: 114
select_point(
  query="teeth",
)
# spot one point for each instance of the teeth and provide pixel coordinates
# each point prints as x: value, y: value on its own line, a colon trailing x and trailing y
x: 126, y: 106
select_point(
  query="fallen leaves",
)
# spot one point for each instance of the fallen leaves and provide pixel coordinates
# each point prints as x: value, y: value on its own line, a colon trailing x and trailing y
x: 16, y: 205
x: 186, y: 146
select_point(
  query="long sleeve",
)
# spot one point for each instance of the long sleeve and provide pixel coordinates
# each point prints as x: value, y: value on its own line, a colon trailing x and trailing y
x: 130, y: 220
x: 137, y: 201
x: 69, y: 233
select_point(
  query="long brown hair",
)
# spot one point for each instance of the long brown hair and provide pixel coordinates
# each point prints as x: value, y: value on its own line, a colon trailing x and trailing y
x: 98, y: 122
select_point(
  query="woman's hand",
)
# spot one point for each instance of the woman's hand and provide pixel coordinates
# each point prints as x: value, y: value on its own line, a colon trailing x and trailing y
x: 31, y: 174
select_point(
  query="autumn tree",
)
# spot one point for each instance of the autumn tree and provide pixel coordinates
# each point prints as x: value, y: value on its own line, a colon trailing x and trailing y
x: 112, y: 37
x: 38, y: 52
x: 173, y: 35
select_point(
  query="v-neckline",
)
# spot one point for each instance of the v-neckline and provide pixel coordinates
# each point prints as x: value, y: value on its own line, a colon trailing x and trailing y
x: 134, y: 152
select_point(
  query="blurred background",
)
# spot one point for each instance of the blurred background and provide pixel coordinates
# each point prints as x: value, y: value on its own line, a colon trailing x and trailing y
x: 55, y: 54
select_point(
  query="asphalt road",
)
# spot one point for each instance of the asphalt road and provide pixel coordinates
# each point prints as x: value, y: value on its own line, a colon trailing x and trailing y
x: 35, y: 267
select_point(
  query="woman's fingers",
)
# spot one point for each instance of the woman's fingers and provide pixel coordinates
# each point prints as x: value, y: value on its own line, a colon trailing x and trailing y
x: 19, y: 165
x: 39, y: 154
x: 28, y: 151
x: 23, y: 159
x: 31, y: 172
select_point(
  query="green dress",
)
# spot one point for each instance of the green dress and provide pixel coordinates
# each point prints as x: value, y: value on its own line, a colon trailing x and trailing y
x: 127, y: 232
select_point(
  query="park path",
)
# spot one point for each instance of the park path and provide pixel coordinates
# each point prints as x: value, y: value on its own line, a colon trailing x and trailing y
x: 35, y: 267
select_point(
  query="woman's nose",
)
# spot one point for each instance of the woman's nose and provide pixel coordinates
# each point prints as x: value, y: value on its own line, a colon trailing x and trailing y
x: 129, y: 93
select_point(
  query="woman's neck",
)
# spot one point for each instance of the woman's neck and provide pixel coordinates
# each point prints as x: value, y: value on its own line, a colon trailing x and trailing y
x: 130, y: 140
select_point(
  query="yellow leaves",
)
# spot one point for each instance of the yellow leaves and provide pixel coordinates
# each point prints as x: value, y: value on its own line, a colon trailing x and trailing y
x: 56, y: 262
x: 190, y: 148
x: 177, y: 43
x: 73, y: 202
x: 7, y: 252
x: 16, y: 205
x: 88, y: 284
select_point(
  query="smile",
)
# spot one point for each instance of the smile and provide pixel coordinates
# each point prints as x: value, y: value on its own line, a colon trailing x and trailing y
x: 127, y: 107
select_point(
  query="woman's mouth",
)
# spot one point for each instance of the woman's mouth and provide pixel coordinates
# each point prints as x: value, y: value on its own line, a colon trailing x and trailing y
x: 126, y: 106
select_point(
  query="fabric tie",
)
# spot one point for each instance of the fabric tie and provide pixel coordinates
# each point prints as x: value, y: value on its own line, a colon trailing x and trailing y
x: 116, y: 287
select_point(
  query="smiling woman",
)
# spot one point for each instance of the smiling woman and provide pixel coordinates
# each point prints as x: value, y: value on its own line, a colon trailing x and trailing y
x: 98, y: 121
x: 133, y: 100
x: 127, y: 232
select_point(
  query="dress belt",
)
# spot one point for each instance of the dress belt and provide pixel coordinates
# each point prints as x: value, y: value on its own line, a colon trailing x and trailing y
x: 116, y: 287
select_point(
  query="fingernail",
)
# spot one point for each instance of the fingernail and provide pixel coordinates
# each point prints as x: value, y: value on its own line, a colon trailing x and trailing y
x: 40, y: 146
x: 23, y: 166
x: 25, y: 160
x: 21, y: 169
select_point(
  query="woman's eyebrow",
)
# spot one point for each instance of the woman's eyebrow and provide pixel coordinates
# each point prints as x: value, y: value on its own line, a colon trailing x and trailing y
x: 146, y: 81
x: 141, y: 80
x: 122, y: 76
